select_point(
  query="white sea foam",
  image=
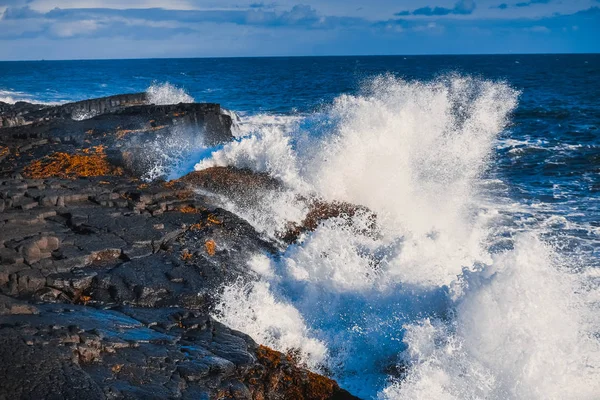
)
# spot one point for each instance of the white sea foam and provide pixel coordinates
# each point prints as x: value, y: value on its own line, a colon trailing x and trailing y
x: 166, y: 93
x: 12, y: 96
x: 522, y: 330
x: 425, y: 289
x: 269, y: 321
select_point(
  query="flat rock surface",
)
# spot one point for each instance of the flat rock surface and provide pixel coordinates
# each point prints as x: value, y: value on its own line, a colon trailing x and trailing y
x: 107, y: 281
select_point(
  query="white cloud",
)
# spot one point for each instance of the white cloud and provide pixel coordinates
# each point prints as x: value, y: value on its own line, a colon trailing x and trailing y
x: 73, y: 28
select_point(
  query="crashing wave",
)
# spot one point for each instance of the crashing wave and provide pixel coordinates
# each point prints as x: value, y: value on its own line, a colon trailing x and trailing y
x: 424, y: 309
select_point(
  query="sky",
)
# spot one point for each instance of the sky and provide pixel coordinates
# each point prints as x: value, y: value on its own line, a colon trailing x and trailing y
x: 92, y: 29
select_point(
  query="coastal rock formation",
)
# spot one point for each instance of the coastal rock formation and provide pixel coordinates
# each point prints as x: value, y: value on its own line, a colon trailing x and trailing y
x: 247, y: 187
x: 107, y: 282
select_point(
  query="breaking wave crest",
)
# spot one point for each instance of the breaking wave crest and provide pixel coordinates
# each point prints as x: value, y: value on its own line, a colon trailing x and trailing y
x: 428, y: 304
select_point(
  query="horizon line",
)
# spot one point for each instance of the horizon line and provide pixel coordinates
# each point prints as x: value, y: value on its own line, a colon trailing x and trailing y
x: 301, y: 56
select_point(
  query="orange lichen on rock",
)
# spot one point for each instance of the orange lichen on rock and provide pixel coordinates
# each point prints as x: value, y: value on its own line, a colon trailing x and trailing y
x: 213, y: 219
x: 281, y: 377
x: 196, y: 227
x: 4, y: 151
x: 211, y: 247
x: 90, y: 162
x: 268, y: 356
x: 170, y: 184
x: 188, y: 209
x: 186, y: 255
x: 320, y: 211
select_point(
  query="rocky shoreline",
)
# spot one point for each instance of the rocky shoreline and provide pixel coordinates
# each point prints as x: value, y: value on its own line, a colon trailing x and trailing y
x: 107, y: 281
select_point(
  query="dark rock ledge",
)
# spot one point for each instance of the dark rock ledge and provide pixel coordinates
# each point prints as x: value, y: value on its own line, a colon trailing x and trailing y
x: 106, y: 281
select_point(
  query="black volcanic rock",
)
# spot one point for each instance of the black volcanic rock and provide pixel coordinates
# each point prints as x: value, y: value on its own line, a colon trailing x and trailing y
x: 107, y: 281
x: 23, y: 113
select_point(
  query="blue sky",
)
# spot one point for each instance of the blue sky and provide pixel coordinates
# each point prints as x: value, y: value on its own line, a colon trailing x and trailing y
x: 67, y: 29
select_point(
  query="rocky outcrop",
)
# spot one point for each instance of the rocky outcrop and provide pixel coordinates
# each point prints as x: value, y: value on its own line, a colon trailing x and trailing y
x: 247, y: 187
x: 124, y: 132
x: 23, y: 113
x: 107, y: 282
x: 70, y: 351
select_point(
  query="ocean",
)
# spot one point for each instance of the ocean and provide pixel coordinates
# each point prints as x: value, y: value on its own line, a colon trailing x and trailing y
x: 481, y: 278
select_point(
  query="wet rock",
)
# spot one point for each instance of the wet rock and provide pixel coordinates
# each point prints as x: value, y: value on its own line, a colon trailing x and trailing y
x: 141, y: 353
x: 23, y: 113
x: 10, y: 306
x: 10, y: 256
x: 320, y: 211
x: 277, y: 375
x: 124, y: 273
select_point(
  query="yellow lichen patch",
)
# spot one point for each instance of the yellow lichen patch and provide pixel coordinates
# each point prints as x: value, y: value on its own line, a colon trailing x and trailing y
x: 90, y: 132
x: 211, y: 247
x: 188, y: 210
x: 116, y: 368
x: 186, y: 255
x: 89, y: 162
x: 213, y: 219
x: 85, y: 299
x: 4, y: 151
x: 143, y: 186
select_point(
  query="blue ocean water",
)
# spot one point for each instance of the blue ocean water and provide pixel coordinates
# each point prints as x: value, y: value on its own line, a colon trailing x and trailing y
x: 537, y: 186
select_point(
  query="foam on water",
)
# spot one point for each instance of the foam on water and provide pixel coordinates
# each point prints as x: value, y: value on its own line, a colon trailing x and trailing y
x: 431, y: 290
x: 522, y: 330
x: 11, y: 97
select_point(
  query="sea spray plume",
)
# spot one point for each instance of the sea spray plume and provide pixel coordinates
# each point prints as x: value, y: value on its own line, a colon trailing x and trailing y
x: 168, y: 156
x: 166, y: 93
x: 410, y: 152
x: 400, y: 143
x: 271, y: 322
x: 269, y: 150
